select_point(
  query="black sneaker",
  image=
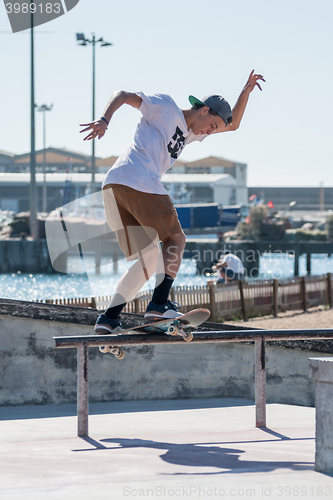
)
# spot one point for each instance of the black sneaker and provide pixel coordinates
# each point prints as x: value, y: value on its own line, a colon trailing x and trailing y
x: 166, y: 311
x: 106, y: 326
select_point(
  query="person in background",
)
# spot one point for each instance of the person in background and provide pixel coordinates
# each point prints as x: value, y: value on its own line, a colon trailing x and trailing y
x: 230, y: 268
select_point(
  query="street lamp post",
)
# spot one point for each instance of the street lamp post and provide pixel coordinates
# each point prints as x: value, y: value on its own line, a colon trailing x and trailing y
x: 33, y: 185
x: 44, y: 108
x: 80, y: 37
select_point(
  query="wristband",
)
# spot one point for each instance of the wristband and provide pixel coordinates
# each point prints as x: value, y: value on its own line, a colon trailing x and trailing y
x: 105, y: 120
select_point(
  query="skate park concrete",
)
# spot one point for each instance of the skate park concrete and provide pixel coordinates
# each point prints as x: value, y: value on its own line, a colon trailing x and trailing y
x: 204, y: 448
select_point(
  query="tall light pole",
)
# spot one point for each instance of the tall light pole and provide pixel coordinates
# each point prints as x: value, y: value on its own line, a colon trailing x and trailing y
x: 33, y: 186
x: 84, y: 41
x: 44, y: 108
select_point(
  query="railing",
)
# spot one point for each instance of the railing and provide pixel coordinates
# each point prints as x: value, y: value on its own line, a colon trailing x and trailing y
x: 244, y: 299
x: 82, y: 343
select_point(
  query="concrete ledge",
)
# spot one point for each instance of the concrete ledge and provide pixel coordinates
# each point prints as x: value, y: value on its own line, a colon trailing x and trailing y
x: 321, y: 371
x: 32, y: 372
x: 48, y: 312
x: 78, y: 315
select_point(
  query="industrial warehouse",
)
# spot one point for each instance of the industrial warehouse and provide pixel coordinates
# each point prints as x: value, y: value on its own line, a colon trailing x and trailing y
x: 67, y: 177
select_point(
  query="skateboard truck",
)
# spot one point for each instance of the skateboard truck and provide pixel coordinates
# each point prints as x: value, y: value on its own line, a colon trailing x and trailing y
x: 175, y: 330
x: 119, y: 353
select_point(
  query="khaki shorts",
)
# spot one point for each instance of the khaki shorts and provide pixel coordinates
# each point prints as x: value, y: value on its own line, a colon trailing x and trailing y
x: 139, y: 219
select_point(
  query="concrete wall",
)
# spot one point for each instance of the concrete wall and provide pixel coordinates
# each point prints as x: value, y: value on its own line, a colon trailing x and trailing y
x: 321, y: 371
x: 33, y: 372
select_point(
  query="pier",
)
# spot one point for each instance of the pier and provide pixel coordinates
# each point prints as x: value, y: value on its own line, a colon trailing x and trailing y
x: 32, y: 255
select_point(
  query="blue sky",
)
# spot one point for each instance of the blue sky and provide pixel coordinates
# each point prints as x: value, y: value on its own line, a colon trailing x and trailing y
x: 181, y: 48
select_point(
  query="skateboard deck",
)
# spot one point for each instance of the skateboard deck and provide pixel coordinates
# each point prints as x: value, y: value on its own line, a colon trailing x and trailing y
x: 175, y: 326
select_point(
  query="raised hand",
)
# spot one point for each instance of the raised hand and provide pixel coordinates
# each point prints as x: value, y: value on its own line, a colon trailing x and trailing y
x: 98, y: 129
x: 253, y: 81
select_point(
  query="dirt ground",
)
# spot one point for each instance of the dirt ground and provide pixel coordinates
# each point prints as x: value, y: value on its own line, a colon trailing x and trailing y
x: 317, y: 317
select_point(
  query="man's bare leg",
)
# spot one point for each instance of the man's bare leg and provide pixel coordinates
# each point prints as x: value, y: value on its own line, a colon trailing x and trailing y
x: 136, y: 276
x: 172, y: 252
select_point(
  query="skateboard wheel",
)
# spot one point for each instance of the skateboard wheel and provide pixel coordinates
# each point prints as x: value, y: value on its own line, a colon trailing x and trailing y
x: 120, y: 354
x: 188, y: 336
x: 104, y: 348
x: 172, y: 330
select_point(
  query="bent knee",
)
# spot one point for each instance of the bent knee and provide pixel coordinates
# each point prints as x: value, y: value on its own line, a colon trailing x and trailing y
x: 178, y: 239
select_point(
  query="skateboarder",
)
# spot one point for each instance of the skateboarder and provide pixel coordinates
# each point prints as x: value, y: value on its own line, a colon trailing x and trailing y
x: 137, y: 205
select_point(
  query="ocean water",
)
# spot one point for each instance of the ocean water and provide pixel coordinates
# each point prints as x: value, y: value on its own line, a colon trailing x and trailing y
x: 21, y: 286
x: 280, y: 266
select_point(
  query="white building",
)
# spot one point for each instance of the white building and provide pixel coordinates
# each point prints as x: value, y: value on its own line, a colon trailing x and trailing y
x: 209, y: 180
x: 204, y: 188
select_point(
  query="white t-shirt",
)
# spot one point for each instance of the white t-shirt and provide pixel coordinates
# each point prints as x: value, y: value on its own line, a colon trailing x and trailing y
x: 160, y: 137
x: 234, y: 263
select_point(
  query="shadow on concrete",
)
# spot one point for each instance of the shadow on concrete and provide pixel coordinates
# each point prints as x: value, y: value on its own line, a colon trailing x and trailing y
x: 93, y: 442
x: 26, y: 412
x: 276, y: 434
x: 205, y: 455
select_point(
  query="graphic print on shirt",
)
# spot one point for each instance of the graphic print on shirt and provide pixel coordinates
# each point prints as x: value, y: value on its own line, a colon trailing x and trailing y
x: 176, y: 144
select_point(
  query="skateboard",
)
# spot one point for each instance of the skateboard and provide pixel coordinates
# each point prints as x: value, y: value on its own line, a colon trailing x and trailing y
x: 175, y: 326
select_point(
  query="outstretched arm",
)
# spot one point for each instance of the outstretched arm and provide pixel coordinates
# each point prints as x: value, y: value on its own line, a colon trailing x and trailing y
x: 98, y: 128
x: 239, y: 108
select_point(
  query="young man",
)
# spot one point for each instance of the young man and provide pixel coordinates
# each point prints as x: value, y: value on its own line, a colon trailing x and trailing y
x: 137, y: 205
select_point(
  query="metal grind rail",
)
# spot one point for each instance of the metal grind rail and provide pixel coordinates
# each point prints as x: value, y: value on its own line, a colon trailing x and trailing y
x: 259, y: 337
